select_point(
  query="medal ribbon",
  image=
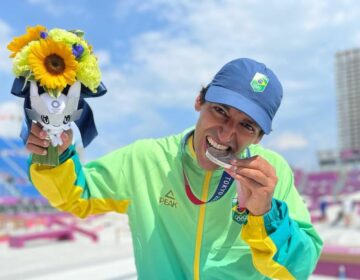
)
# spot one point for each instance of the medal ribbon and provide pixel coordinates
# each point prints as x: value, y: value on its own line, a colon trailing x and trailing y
x: 223, y: 186
x: 224, y: 183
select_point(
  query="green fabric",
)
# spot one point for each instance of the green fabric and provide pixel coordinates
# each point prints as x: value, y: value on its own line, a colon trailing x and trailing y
x: 164, y: 222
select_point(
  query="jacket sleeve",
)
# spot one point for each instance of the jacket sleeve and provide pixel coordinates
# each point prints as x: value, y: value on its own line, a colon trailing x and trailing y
x: 283, y: 242
x: 82, y: 190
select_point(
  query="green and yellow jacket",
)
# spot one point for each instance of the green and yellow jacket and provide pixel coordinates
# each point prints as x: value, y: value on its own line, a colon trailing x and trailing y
x: 172, y: 237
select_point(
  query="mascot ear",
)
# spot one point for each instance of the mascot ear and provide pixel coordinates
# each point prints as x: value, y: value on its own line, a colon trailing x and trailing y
x: 74, y: 90
x: 35, y: 99
x: 34, y: 91
x: 73, y: 97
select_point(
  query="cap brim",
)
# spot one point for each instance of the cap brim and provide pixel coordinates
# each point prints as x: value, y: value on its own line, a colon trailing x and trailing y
x: 231, y: 98
x: 20, y: 89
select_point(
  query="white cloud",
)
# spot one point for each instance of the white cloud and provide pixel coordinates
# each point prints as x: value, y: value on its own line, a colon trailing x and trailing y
x: 59, y: 9
x: 172, y: 68
x: 125, y: 8
x: 356, y: 39
x: 104, y: 57
x: 5, y: 38
x: 173, y: 62
x: 167, y: 65
x: 294, y: 85
x: 288, y: 141
x: 323, y: 14
x: 122, y: 99
x: 5, y: 31
x: 150, y: 123
x: 316, y: 17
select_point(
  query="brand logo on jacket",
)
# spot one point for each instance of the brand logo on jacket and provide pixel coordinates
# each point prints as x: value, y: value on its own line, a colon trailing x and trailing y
x: 169, y: 199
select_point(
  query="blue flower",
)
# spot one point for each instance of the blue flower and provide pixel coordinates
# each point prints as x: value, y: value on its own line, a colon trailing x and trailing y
x: 77, y: 50
x: 43, y: 34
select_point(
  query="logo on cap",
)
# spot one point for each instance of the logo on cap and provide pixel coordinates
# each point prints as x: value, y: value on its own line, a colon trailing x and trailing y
x: 259, y: 82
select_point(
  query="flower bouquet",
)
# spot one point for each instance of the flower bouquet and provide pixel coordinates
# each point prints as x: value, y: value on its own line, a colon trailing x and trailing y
x: 55, y: 70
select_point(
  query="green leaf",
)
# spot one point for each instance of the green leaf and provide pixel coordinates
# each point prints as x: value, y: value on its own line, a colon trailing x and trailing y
x: 78, y: 32
x: 53, y: 92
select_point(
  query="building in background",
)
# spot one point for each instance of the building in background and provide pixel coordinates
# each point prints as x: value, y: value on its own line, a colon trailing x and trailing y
x: 347, y: 80
x: 347, y: 73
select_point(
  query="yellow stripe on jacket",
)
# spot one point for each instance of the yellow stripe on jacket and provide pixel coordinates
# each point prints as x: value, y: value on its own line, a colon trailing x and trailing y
x: 58, y: 186
x: 263, y: 249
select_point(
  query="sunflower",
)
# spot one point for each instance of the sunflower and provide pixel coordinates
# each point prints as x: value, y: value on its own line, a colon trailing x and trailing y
x: 53, y: 64
x: 32, y: 33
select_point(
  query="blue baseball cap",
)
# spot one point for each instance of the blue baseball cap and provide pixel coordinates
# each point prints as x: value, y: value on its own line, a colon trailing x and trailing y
x: 250, y: 87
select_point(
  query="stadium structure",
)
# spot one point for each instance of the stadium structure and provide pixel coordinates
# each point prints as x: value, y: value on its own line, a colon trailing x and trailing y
x: 14, y: 183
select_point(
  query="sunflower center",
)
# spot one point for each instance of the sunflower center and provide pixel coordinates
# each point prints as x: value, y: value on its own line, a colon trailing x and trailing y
x: 54, y: 64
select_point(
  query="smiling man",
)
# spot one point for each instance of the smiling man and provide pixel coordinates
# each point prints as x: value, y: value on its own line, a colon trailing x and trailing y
x: 190, y: 218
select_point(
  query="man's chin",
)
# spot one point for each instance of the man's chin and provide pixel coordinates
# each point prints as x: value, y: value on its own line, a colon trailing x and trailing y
x: 208, y: 165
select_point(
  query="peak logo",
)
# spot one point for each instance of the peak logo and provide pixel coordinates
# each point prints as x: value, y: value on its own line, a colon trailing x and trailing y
x: 168, y: 199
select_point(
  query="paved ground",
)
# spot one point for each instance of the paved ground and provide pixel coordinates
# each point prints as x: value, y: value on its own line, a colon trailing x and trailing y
x: 109, y: 259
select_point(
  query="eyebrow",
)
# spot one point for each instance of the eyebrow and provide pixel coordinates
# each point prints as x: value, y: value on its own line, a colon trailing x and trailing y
x: 247, y: 119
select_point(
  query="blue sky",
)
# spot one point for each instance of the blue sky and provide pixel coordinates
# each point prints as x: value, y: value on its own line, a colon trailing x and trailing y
x: 155, y: 55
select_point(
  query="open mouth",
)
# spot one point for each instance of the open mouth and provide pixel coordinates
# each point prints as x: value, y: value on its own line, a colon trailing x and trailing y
x: 219, y: 154
x: 212, y: 143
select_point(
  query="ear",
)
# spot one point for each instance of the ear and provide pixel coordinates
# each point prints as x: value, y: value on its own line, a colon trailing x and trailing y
x: 197, y: 104
x: 258, y: 139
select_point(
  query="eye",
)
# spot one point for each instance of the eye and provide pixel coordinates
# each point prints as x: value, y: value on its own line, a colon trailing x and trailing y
x: 220, y: 110
x: 66, y: 119
x: 45, y: 119
x: 248, y: 127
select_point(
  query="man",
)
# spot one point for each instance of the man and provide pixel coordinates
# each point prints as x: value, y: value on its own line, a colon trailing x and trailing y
x: 164, y: 184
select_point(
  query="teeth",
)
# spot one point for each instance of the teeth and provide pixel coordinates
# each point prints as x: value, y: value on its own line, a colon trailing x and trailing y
x: 216, y: 145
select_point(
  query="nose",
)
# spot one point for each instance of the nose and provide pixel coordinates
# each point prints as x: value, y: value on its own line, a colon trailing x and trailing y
x: 227, y: 132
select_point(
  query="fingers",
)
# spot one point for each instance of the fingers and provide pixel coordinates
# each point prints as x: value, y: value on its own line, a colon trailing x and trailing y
x: 256, y: 200
x: 37, y: 141
x: 258, y: 179
x: 66, y: 137
x: 257, y: 163
x: 255, y: 175
x: 37, y: 131
x: 257, y: 171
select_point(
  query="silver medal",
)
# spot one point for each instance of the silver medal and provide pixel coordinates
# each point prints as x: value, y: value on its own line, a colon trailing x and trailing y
x: 221, y: 158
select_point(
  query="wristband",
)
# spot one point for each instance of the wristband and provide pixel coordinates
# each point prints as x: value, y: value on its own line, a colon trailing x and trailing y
x: 239, y: 215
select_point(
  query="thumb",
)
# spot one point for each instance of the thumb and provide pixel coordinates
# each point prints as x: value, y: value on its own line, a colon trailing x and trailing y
x: 66, y: 137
